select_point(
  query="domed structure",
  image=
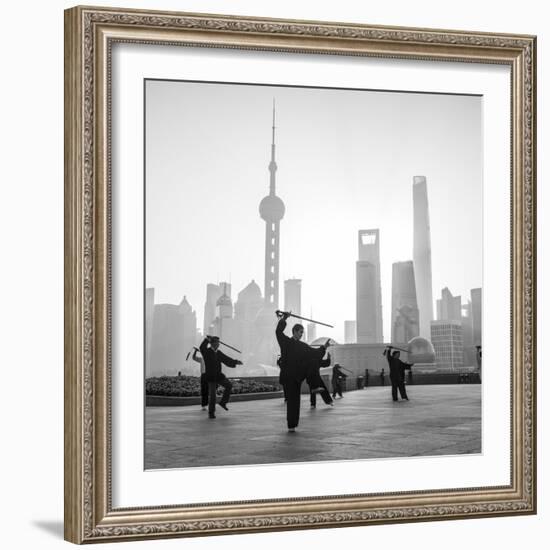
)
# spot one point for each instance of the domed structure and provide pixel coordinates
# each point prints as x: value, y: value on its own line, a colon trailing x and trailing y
x: 272, y: 209
x: 249, y: 302
x: 322, y: 340
x: 421, y: 351
x: 250, y: 292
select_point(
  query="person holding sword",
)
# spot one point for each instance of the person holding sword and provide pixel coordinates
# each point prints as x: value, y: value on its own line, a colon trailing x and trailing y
x: 397, y: 372
x: 213, y: 359
x: 295, y: 364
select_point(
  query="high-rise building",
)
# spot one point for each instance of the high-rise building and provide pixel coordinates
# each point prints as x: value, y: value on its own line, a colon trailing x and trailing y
x: 369, y: 290
x: 188, y: 325
x: 149, y: 316
x: 249, y: 303
x: 311, y: 332
x: 404, y: 307
x: 272, y: 211
x: 449, y: 307
x: 350, y: 332
x: 224, y: 304
x: 468, y: 336
x: 174, y: 334
x: 422, y: 255
x: 293, y: 296
x: 224, y: 325
x: 475, y: 295
x: 213, y: 292
x: 446, y: 337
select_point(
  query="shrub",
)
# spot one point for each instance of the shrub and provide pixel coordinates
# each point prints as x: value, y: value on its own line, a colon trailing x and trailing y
x: 188, y: 386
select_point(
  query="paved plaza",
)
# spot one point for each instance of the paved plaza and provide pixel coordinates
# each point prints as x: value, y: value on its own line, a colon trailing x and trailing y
x: 438, y: 420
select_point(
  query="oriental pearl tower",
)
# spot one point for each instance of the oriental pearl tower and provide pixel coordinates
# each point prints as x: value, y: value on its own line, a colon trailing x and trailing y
x: 272, y: 211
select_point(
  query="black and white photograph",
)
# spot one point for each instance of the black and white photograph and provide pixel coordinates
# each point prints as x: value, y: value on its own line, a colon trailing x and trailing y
x: 313, y: 274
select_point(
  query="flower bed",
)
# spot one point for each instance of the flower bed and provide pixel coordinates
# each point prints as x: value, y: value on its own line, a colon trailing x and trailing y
x: 189, y: 386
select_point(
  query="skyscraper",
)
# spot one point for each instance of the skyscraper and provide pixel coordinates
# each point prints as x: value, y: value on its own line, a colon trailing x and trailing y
x: 446, y: 337
x: 249, y: 303
x: 213, y: 292
x: 293, y: 296
x: 350, y: 332
x: 422, y: 255
x: 272, y: 211
x: 449, y: 307
x: 404, y: 307
x: 149, y: 314
x: 311, y: 332
x: 224, y: 324
x: 475, y: 294
x: 174, y: 334
x: 369, y: 290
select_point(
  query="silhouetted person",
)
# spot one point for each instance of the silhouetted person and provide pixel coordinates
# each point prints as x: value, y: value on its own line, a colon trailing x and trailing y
x: 367, y: 375
x: 478, y: 360
x: 338, y: 378
x: 204, y: 384
x: 397, y: 373
x: 295, y: 368
x: 324, y: 393
x: 382, y: 379
x: 213, y: 359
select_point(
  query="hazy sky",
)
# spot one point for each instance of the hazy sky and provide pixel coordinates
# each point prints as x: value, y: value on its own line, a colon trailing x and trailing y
x: 346, y: 161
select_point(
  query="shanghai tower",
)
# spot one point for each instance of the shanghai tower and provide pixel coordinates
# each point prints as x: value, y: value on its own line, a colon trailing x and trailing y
x: 422, y: 255
x: 272, y: 210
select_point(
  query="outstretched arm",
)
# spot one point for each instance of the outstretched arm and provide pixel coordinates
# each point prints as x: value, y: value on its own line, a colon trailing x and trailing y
x: 228, y: 361
x: 194, y: 356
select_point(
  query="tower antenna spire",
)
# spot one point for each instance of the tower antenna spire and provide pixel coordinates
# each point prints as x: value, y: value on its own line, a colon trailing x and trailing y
x: 273, y: 133
x: 272, y: 210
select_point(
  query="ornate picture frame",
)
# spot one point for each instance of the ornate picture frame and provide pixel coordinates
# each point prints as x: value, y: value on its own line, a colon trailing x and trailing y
x: 90, y: 34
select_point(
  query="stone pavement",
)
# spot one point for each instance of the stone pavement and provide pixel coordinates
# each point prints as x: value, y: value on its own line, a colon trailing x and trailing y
x: 438, y: 420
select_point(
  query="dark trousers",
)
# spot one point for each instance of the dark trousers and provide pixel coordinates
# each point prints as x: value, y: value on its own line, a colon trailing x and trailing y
x: 293, y: 390
x: 212, y: 387
x: 398, y: 385
x: 325, y: 394
x: 336, y: 388
x: 204, y: 390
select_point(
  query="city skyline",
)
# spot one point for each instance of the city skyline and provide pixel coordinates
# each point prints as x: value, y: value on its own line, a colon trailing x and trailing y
x: 308, y: 251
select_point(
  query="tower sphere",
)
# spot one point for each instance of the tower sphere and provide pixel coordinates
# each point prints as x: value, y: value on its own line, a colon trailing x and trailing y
x: 272, y: 208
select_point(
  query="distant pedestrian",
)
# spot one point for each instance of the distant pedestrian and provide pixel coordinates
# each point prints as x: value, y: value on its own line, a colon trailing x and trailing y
x: 366, y: 378
x: 382, y: 377
x: 338, y: 378
x: 213, y: 359
x: 397, y: 373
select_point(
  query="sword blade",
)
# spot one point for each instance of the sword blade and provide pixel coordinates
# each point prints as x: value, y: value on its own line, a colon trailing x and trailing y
x: 230, y: 347
x: 311, y: 320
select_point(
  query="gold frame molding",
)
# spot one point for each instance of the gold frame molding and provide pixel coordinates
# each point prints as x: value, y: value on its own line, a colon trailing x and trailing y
x: 89, y: 35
